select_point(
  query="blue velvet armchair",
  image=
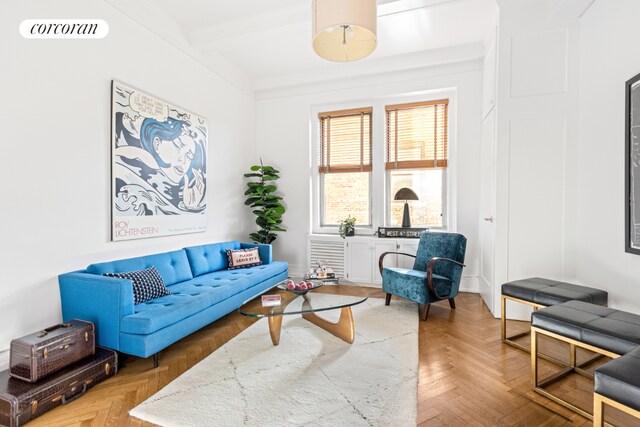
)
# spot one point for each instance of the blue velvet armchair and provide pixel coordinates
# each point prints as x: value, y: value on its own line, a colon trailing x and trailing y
x: 435, y: 275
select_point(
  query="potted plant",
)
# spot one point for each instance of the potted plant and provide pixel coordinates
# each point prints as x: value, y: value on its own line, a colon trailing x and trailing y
x: 265, y: 203
x: 347, y: 227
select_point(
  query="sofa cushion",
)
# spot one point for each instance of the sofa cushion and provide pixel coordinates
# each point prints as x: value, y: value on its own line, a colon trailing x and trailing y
x: 147, y: 284
x: 192, y: 296
x: 172, y: 266
x: 256, y: 274
x: 159, y: 313
x: 208, y: 258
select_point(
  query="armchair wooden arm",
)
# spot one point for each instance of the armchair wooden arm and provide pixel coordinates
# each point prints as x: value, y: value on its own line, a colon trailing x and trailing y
x: 430, y: 265
x: 384, y: 254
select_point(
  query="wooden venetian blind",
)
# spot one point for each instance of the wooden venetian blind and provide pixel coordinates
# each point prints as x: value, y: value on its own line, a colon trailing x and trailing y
x: 417, y: 135
x: 345, y: 141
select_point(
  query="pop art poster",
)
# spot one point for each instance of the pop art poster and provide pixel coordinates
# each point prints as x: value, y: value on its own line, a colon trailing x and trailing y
x: 159, y: 167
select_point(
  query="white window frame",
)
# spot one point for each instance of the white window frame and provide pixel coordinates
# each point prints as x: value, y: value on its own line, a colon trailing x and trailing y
x: 379, y: 179
x: 389, y: 198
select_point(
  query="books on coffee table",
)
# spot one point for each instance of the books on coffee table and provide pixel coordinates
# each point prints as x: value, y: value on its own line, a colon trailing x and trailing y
x: 270, y: 300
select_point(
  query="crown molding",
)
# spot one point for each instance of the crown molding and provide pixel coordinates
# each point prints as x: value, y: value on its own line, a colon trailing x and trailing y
x: 291, y: 22
x: 568, y: 10
x: 145, y: 15
x: 439, y: 61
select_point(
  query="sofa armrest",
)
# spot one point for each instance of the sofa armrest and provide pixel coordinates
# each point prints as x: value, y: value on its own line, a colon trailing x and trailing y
x: 265, y: 251
x: 99, y: 299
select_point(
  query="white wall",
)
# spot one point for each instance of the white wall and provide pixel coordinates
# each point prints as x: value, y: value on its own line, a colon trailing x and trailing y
x: 55, y: 116
x: 283, y: 139
x: 536, y: 138
x: 609, y: 56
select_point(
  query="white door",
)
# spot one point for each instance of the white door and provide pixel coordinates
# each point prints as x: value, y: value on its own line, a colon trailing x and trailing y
x: 389, y: 261
x: 487, y: 210
x: 359, y: 261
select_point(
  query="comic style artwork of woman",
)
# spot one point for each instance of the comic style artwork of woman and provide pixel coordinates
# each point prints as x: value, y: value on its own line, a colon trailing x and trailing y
x: 159, y: 165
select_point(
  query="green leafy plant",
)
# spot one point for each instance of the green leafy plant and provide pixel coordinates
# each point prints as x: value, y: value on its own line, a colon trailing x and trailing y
x: 267, y: 206
x: 347, y: 227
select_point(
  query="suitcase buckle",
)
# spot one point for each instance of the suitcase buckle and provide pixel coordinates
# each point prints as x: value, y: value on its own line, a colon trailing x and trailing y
x: 86, y: 336
x: 107, y: 368
x: 34, y: 407
x: 45, y: 353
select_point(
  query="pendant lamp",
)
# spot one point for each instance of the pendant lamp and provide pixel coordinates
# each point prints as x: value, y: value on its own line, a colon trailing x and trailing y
x: 344, y: 30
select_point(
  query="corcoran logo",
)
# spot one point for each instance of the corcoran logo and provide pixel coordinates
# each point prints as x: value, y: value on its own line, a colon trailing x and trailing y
x: 64, y: 29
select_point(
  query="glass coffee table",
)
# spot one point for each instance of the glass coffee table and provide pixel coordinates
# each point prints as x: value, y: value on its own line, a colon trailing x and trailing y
x: 306, y: 305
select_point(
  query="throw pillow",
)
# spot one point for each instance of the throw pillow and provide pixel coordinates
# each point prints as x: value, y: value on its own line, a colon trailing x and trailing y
x: 147, y: 284
x: 243, y: 258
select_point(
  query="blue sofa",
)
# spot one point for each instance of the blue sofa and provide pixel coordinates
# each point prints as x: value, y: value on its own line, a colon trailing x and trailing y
x: 203, y: 290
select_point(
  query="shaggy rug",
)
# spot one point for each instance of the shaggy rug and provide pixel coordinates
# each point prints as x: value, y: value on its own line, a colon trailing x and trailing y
x: 311, y: 379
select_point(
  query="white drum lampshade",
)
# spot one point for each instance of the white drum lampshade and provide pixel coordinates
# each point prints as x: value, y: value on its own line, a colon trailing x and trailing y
x: 344, y: 30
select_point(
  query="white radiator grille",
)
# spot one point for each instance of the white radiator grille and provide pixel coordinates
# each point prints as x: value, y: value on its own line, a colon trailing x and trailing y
x: 331, y: 251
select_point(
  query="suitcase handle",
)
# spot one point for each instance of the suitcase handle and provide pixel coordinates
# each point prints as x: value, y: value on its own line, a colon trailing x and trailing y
x: 66, y: 400
x: 46, y: 331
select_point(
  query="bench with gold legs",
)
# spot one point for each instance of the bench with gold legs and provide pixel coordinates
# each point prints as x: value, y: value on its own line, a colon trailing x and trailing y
x: 617, y: 384
x: 538, y: 293
x: 602, y: 330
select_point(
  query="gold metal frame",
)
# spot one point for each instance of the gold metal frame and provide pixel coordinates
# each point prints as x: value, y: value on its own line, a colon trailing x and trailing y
x: 509, y: 340
x: 505, y: 338
x: 538, y: 385
x: 598, y: 409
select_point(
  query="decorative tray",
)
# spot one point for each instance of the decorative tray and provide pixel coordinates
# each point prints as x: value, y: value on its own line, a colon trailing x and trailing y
x: 301, y: 287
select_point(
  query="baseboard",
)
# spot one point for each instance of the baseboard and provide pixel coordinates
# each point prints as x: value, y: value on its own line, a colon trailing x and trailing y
x: 470, y: 284
x: 4, y: 360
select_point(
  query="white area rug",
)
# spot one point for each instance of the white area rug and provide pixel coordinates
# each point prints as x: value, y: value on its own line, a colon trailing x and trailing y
x: 311, y: 379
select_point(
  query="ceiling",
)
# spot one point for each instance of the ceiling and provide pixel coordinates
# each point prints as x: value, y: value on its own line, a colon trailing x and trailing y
x: 269, y: 41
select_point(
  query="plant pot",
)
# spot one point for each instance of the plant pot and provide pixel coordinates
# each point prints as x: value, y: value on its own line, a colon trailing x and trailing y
x: 350, y: 233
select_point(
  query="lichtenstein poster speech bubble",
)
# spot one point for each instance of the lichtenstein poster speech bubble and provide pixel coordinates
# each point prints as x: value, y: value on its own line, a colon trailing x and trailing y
x: 159, y: 167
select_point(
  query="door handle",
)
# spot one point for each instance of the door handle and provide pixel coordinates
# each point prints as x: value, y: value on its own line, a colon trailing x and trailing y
x: 490, y: 219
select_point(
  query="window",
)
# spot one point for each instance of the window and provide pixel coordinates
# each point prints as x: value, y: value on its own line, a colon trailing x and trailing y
x: 416, y: 157
x: 345, y: 165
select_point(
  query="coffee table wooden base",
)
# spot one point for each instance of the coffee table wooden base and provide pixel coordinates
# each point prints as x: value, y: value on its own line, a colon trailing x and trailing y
x: 275, y: 326
x: 344, y: 329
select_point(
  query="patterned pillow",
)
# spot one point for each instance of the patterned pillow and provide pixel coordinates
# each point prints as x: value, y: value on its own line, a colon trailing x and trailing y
x: 147, y: 284
x: 243, y: 258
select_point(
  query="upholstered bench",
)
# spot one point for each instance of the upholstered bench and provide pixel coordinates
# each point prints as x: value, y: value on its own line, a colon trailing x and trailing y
x: 617, y: 384
x: 539, y: 293
x: 598, y: 329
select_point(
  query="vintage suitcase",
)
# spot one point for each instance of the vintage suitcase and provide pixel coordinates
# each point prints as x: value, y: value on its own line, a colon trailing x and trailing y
x: 21, y: 401
x: 37, y: 355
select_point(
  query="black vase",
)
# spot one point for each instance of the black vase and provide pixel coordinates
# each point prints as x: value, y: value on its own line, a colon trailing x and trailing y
x: 350, y: 233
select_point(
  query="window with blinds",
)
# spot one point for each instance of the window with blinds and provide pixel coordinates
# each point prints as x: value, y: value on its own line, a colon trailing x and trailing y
x: 345, y: 141
x: 417, y: 135
x: 345, y: 166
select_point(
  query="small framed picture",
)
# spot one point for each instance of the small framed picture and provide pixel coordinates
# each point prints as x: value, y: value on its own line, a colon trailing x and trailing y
x: 632, y: 165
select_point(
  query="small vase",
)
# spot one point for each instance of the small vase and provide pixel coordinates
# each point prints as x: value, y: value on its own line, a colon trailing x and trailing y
x: 350, y: 233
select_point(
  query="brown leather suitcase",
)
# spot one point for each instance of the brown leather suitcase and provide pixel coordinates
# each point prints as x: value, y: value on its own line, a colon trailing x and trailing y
x: 35, y: 356
x: 21, y: 401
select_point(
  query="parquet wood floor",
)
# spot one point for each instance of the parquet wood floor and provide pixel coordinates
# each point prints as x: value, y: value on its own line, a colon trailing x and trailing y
x: 467, y: 377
